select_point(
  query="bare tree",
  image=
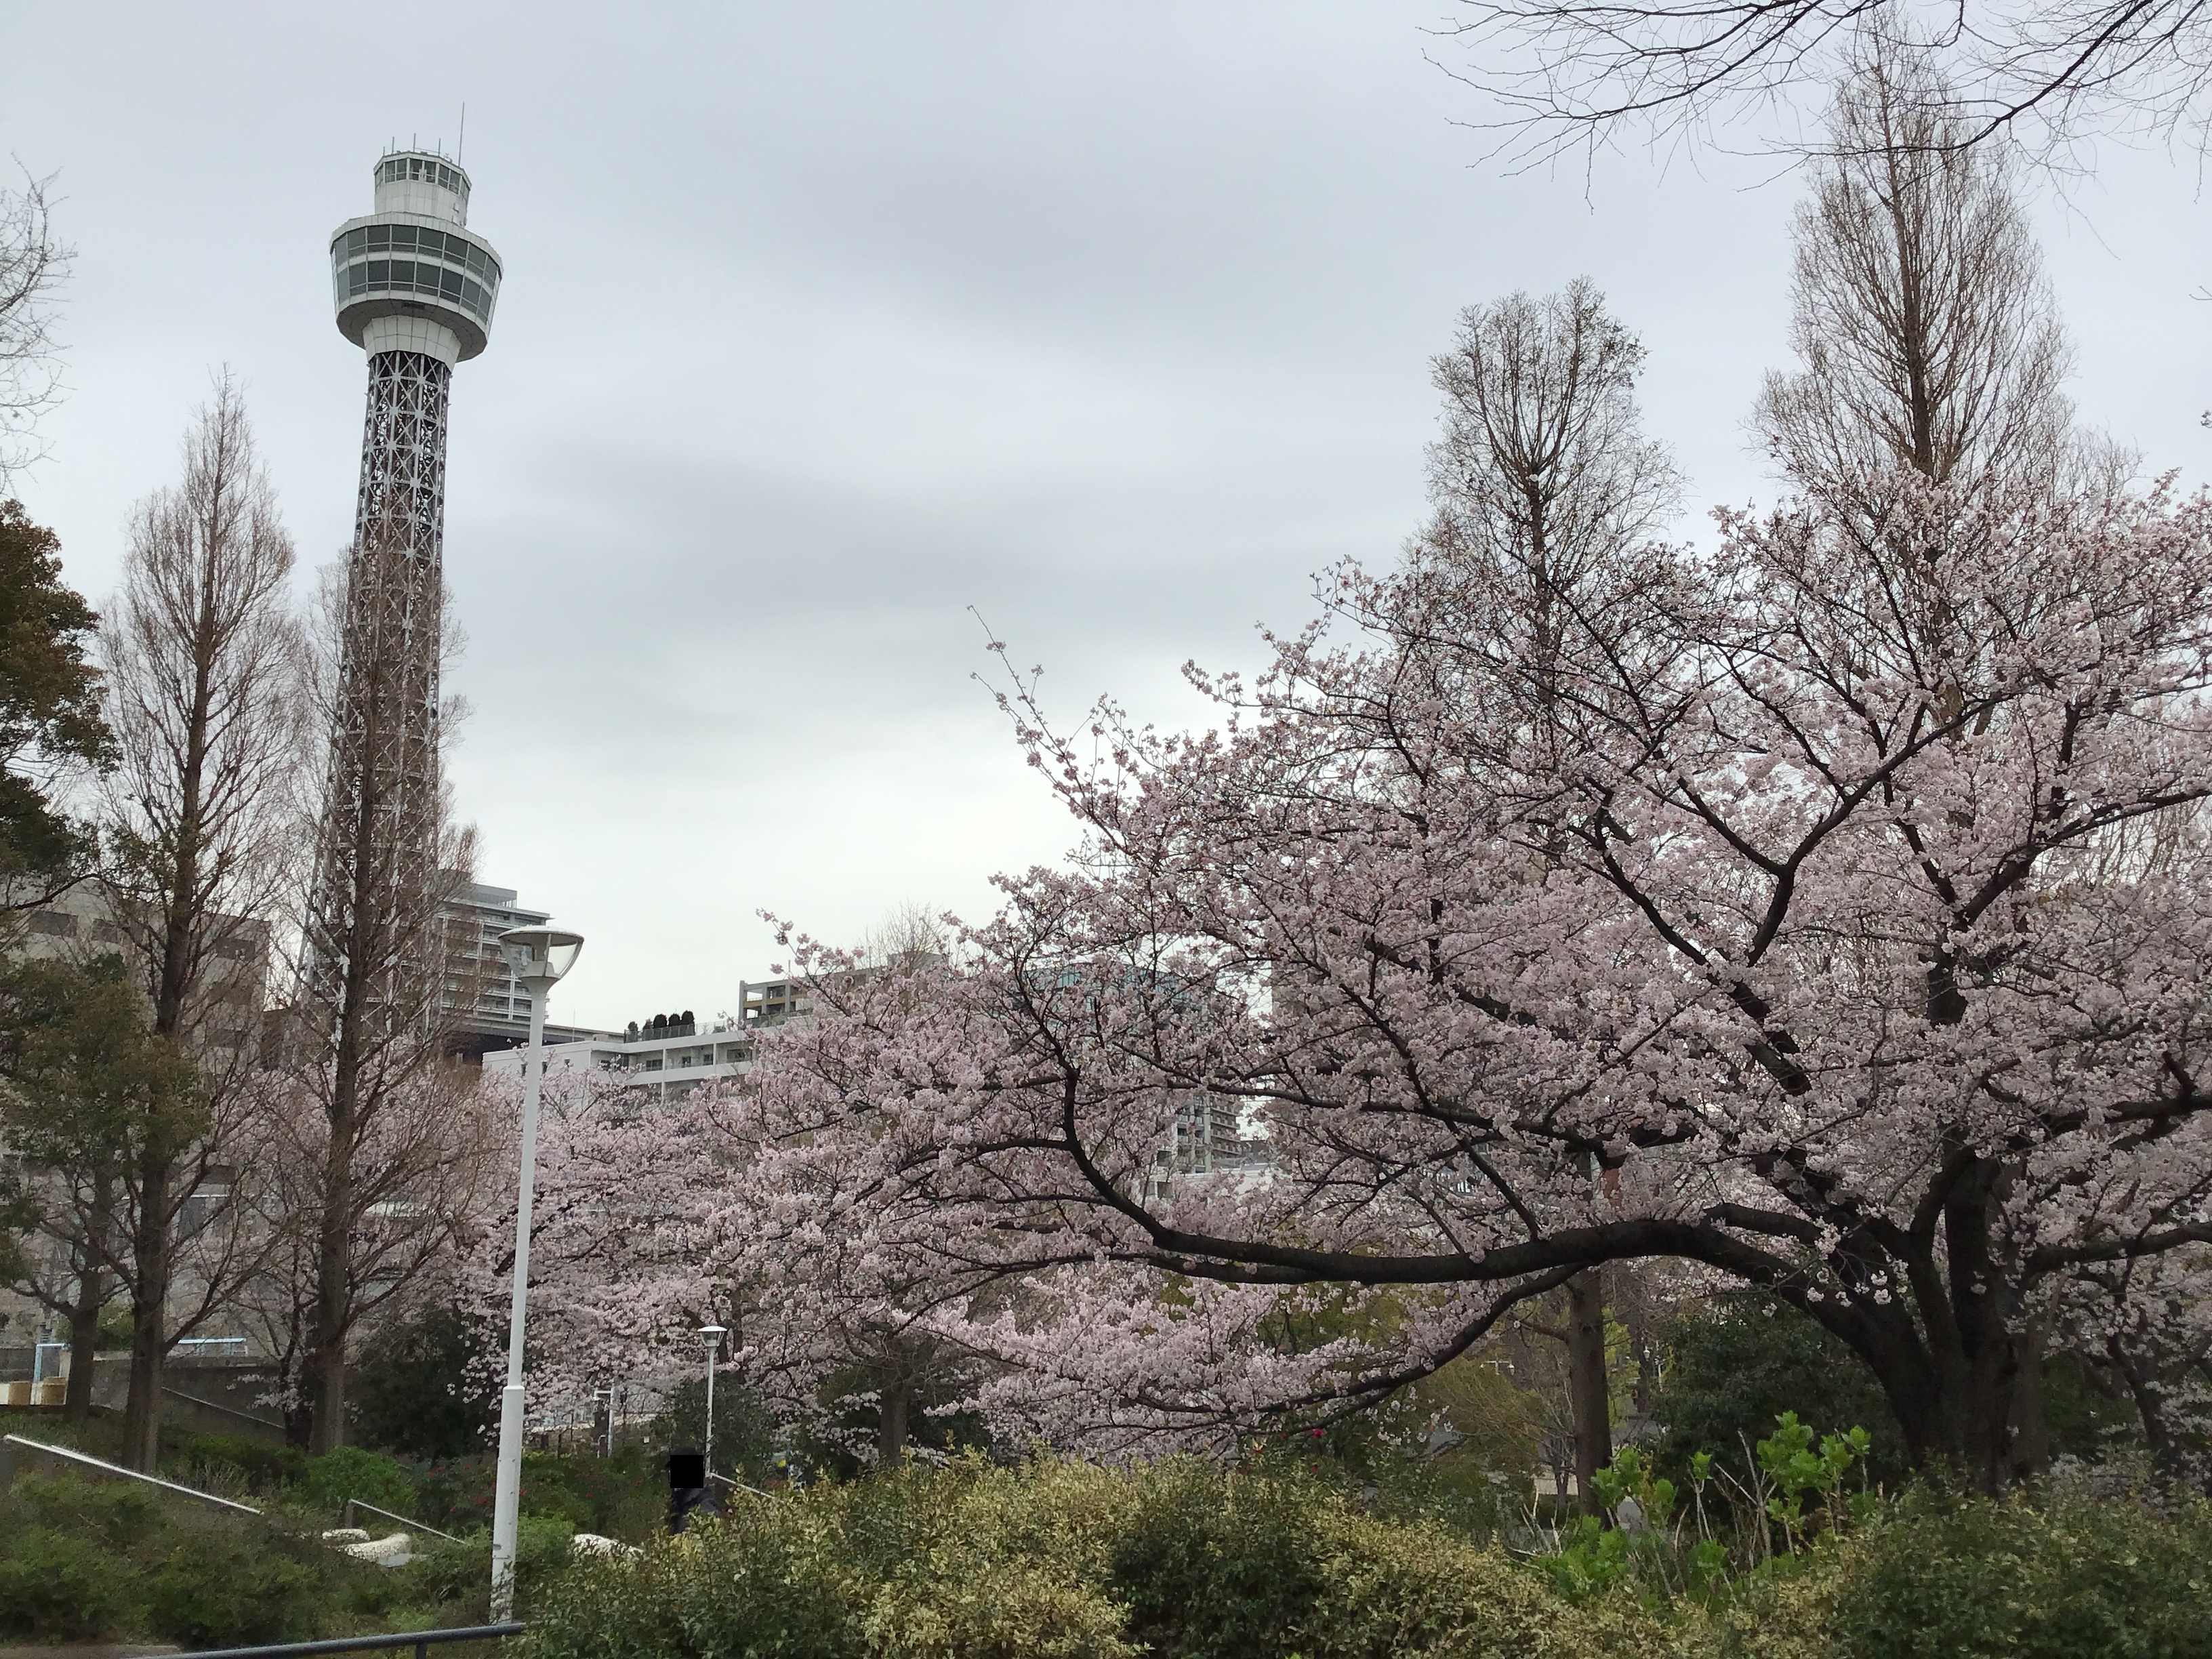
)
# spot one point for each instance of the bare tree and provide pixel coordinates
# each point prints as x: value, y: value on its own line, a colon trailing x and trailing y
x: 415, y: 1178
x: 1542, y: 475
x: 909, y: 934
x: 1546, y: 490
x: 390, y: 1118
x: 32, y: 263
x: 201, y: 653
x: 1926, y: 333
x: 1574, y: 75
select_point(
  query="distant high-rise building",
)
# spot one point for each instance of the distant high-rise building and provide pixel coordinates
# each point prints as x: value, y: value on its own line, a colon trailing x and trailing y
x: 484, y: 1007
x: 414, y: 288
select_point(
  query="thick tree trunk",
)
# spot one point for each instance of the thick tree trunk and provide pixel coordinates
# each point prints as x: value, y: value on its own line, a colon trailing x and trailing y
x: 2029, y: 1455
x: 1946, y: 1353
x: 326, y: 1420
x: 892, y: 1408
x: 149, y: 1298
x: 333, y: 1313
x: 326, y: 1377
x: 2150, y: 1399
x: 1587, y: 1392
x: 84, y: 1338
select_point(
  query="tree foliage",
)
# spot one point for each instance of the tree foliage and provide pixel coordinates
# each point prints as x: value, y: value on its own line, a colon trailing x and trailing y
x: 1820, y: 941
x: 1733, y: 1368
x: 86, y: 1092
x: 50, y: 710
x: 416, y: 1391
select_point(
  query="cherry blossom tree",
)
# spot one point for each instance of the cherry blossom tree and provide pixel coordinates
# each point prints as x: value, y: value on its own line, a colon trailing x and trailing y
x: 623, y: 1252
x: 649, y: 1222
x: 1823, y: 953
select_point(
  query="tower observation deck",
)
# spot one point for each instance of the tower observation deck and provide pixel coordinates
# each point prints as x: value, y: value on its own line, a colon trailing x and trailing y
x: 416, y: 290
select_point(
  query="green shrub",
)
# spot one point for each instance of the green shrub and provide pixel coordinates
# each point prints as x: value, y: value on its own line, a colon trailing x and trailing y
x: 55, y: 1586
x: 623, y: 1497
x: 971, y: 1560
x: 1218, y: 1564
x: 1734, y: 1369
x: 951, y: 1605
x: 1974, y: 1579
x: 1066, y: 1561
x: 614, y: 1609
x: 352, y: 1472
x: 114, y: 1516
x: 767, y: 1580
x: 455, y: 1497
x: 260, y: 1466
x: 2074, y: 1580
x: 84, y: 1561
x: 229, y: 1591
x: 446, y: 1573
x: 1389, y: 1590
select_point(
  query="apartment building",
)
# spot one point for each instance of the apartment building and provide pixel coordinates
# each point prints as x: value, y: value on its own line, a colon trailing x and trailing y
x: 669, y: 1055
x: 489, y: 1008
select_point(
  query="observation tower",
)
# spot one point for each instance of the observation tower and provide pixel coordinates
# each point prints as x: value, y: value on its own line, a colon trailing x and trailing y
x: 414, y: 288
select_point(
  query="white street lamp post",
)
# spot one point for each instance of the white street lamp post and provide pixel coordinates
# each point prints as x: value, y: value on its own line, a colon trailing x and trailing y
x: 713, y: 1335
x: 539, y: 955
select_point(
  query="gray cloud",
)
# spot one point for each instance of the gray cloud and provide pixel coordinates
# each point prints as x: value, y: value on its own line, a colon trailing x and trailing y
x: 825, y: 324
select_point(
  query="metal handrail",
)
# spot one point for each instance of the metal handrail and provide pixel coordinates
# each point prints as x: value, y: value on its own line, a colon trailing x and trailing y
x: 419, y: 1640
x: 353, y: 1503
x: 106, y: 1467
x: 217, y: 1406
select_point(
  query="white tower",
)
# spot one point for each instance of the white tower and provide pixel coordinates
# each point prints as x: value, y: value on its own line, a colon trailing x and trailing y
x: 414, y: 288
x: 412, y: 276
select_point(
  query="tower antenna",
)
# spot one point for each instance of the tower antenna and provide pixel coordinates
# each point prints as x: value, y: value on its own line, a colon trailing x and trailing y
x: 461, y: 148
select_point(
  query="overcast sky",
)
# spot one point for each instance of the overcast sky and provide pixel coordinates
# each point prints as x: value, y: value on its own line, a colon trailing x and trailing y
x: 825, y: 323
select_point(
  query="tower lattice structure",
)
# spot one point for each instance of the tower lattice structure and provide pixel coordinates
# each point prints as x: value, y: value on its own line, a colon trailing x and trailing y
x: 416, y: 290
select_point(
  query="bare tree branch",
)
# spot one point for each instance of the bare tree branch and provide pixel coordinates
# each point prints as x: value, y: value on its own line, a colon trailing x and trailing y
x: 33, y: 264
x: 1567, y: 76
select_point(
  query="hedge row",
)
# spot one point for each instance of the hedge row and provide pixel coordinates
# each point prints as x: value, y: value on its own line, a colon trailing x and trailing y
x: 1184, y: 1561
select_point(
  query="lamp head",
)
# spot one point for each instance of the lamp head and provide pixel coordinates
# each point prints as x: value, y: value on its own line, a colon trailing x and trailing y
x: 539, y: 955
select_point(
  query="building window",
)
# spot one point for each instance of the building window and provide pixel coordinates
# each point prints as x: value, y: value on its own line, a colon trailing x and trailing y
x: 57, y: 923
x: 210, y: 1200
x: 468, y: 277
